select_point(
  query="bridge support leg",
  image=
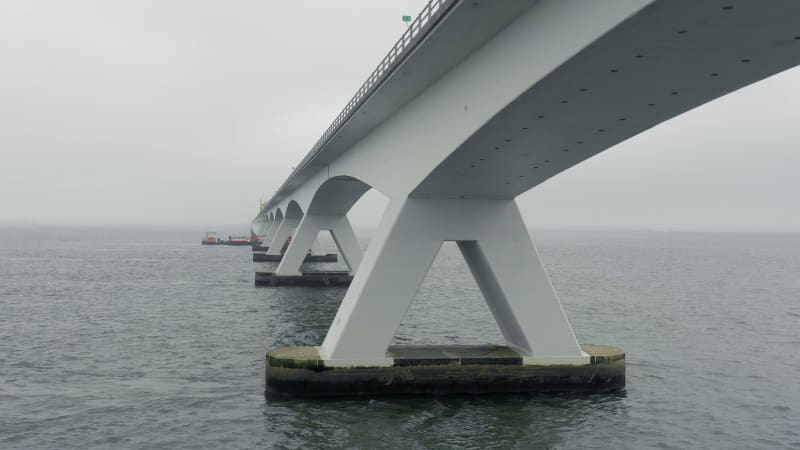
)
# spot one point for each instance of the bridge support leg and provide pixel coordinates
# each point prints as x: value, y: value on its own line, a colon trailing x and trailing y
x: 492, y: 236
x: 255, y: 229
x: 541, y: 353
x: 306, y: 235
x: 282, y: 232
x: 316, y: 248
x: 269, y: 232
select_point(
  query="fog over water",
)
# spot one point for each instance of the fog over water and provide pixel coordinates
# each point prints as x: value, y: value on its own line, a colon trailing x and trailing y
x: 186, y: 113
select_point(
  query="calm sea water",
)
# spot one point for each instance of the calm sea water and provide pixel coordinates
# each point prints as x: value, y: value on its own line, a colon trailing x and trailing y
x: 114, y: 338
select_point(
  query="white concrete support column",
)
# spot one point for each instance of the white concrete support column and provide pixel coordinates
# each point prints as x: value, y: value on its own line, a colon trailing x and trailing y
x: 345, y: 239
x: 269, y: 232
x: 316, y: 248
x: 282, y: 232
x: 261, y: 228
x: 306, y: 235
x: 493, y: 238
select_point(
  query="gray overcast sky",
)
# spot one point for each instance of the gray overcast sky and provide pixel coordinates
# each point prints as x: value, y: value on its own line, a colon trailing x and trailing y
x: 187, y: 112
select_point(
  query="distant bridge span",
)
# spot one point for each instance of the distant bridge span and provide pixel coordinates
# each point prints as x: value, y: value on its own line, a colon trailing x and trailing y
x: 479, y: 102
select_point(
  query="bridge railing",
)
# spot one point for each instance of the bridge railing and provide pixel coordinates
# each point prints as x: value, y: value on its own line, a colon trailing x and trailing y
x: 415, y: 32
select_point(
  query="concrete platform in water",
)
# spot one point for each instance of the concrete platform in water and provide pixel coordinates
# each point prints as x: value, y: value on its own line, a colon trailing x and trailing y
x: 259, y: 248
x: 332, y: 278
x: 263, y: 257
x: 299, y: 371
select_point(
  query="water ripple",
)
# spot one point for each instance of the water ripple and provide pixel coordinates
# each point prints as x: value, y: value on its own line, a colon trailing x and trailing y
x: 152, y: 341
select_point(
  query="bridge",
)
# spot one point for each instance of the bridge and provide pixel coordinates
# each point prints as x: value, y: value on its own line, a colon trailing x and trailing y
x: 478, y: 102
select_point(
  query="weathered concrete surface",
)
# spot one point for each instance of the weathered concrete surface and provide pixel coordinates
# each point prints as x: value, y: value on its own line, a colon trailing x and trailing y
x: 263, y: 257
x: 333, y: 278
x: 299, y: 371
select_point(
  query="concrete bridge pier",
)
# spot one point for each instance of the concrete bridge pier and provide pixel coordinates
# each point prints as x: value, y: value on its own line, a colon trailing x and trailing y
x: 316, y: 248
x: 540, y: 353
x: 315, y: 254
x: 270, y: 228
x: 304, y: 228
x: 310, y: 226
x: 500, y: 253
x: 258, y: 228
x: 283, y: 231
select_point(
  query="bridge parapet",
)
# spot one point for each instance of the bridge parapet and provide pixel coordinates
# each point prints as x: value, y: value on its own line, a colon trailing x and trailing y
x: 414, y: 34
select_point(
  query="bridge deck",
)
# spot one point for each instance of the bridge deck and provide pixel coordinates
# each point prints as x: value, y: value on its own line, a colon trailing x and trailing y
x: 670, y: 57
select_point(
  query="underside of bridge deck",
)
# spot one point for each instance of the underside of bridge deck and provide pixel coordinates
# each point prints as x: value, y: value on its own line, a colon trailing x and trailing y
x: 669, y: 57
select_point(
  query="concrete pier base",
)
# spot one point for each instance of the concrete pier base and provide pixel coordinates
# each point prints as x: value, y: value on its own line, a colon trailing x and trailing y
x: 299, y: 371
x: 332, y: 278
x: 260, y: 248
x: 263, y: 257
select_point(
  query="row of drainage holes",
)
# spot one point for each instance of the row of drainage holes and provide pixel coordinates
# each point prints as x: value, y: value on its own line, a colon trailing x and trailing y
x: 744, y: 60
x: 601, y: 130
x: 638, y: 56
x: 525, y: 154
x: 714, y: 74
x: 728, y: 8
x: 620, y: 119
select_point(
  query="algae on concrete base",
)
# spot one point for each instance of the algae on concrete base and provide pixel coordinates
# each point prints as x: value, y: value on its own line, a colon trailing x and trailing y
x: 296, y: 358
x: 442, y: 370
x: 603, y: 353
